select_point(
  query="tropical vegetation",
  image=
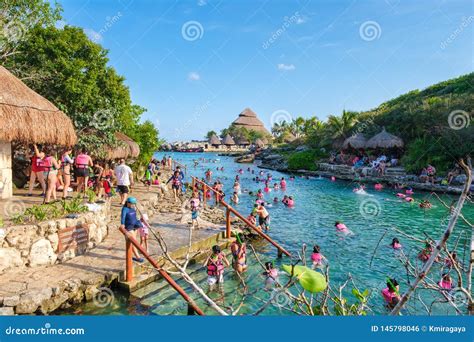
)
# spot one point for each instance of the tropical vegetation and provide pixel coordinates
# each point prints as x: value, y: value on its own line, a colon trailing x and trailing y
x: 434, y: 123
x: 73, y: 72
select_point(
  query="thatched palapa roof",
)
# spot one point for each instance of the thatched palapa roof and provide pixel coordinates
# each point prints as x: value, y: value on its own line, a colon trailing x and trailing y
x: 127, y: 148
x: 242, y: 141
x: 228, y: 140
x: 27, y: 117
x: 384, y: 140
x: 249, y: 120
x: 355, y: 141
x: 214, y: 140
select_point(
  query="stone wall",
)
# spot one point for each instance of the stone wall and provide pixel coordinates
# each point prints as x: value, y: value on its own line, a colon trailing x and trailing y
x: 40, y: 244
x: 5, y: 170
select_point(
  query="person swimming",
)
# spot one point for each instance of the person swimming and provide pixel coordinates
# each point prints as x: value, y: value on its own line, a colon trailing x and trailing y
x: 271, y: 274
x: 316, y: 257
x: 425, y: 204
x: 425, y: 254
x: 290, y: 202
x: 446, y: 282
x: 276, y: 186
x: 396, y: 244
x: 391, y: 293
x: 275, y: 200
x: 341, y: 227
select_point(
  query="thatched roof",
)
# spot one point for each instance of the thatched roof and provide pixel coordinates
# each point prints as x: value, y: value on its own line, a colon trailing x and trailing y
x: 214, y: 140
x: 259, y: 143
x: 384, y: 140
x: 228, y: 140
x: 355, y: 141
x: 127, y: 148
x: 249, y: 120
x: 242, y: 141
x: 27, y: 117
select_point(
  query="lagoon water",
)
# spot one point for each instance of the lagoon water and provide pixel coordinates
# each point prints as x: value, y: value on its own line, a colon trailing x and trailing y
x: 318, y: 204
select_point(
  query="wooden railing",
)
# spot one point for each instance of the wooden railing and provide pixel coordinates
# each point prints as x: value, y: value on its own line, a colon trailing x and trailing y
x: 130, y: 242
x: 229, y: 210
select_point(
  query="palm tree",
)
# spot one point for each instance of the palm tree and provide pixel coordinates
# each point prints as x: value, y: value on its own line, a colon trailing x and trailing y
x: 340, y: 127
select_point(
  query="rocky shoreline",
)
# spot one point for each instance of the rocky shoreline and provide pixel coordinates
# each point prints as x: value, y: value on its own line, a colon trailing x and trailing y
x: 272, y: 160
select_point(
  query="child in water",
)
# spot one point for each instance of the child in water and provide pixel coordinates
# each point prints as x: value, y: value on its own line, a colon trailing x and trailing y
x: 271, y: 274
x: 391, y: 293
x: 446, y: 283
x: 235, y: 198
x: 341, y: 227
x: 396, y: 244
x: 215, y: 264
x: 316, y: 257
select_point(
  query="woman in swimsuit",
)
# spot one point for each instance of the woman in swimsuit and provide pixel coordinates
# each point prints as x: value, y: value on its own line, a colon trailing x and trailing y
x: 50, y: 174
x: 239, y: 253
x: 37, y: 170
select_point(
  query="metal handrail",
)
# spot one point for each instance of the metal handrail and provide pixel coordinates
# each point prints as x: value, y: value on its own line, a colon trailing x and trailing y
x: 130, y: 242
x: 240, y: 216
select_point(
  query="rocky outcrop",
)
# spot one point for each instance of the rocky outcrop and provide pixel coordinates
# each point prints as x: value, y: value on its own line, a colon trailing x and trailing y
x: 10, y: 257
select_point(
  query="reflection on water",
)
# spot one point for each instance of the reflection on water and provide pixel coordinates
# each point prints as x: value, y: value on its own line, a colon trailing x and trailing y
x: 318, y: 204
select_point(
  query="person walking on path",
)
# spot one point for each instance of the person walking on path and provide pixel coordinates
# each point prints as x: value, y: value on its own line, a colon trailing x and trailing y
x: 129, y: 221
x: 124, y: 176
x: 37, y: 170
x: 81, y: 165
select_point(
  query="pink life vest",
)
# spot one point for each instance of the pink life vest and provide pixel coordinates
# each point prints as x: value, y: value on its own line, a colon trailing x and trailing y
x: 341, y: 227
x: 82, y: 161
x: 316, y: 257
x: 388, y: 296
x: 397, y: 245
x: 283, y: 184
x: 448, y: 285
x: 290, y: 203
x: 215, y: 267
x: 401, y: 195
x: 378, y: 186
x: 273, y: 273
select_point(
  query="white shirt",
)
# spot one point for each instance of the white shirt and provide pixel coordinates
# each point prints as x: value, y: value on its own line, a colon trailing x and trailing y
x: 123, y: 172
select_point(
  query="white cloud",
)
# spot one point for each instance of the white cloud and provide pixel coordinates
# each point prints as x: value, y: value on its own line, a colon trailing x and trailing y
x: 96, y: 37
x: 286, y: 67
x: 301, y: 20
x: 202, y: 2
x: 194, y: 76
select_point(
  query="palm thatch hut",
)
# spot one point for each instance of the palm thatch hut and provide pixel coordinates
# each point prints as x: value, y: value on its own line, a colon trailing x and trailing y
x: 228, y: 141
x: 215, y: 141
x: 259, y: 143
x: 355, y: 141
x: 384, y: 140
x: 27, y: 118
x: 126, y: 148
x: 249, y: 120
x: 242, y: 142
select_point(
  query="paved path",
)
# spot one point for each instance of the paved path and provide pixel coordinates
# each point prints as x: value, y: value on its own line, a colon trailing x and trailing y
x: 101, y: 264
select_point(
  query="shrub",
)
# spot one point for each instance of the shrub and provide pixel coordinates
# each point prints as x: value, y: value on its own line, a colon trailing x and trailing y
x: 304, y: 160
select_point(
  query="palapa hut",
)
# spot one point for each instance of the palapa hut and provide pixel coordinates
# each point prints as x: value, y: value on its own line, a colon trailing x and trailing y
x: 127, y: 148
x: 27, y: 118
x: 384, y: 140
x: 249, y: 120
x: 228, y: 141
x: 355, y: 141
x: 215, y: 141
x: 242, y: 142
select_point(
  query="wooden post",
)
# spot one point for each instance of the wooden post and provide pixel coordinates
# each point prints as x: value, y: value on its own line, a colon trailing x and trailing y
x: 204, y: 197
x: 129, y: 261
x: 280, y: 253
x: 227, y: 223
x: 194, y: 183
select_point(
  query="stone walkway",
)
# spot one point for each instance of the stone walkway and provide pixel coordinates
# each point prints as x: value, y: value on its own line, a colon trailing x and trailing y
x: 44, y: 289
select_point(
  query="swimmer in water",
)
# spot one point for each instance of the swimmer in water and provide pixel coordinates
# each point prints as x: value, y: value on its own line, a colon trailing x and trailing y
x: 275, y: 200
x: 316, y: 257
x: 396, y: 244
x: 341, y: 227
x: 235, y: 198
x: 391, y: 293
x: 446, y: 282
x: 425, y: 204
x: 271, y: 274
x: 276, y: 186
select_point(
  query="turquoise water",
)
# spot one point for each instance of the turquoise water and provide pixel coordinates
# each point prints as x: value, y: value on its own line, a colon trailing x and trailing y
x: 318, y: 204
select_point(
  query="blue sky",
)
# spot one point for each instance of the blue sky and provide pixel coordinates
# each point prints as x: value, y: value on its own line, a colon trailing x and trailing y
x: 195, y: 65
